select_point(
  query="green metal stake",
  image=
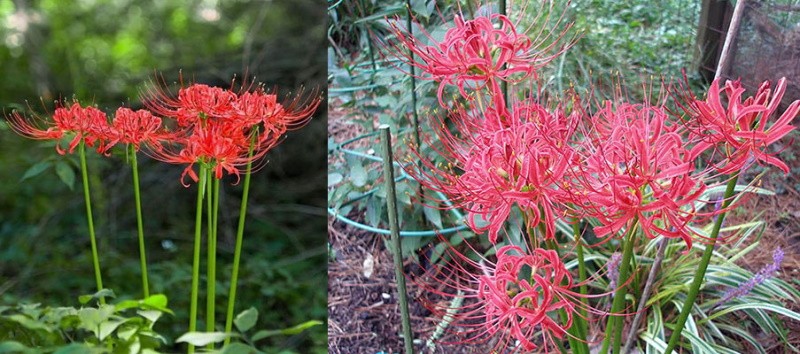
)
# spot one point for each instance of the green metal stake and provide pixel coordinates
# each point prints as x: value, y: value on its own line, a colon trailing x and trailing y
x: 388, y: 176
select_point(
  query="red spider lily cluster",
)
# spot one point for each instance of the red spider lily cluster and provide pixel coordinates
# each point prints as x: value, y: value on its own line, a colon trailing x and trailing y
x: 477, y: 54
x: 219, y: 128
x: 627, y: 165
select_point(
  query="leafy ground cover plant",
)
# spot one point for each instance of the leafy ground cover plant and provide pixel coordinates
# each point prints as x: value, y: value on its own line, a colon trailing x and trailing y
x: 217, y: 131
x: 585, y: 177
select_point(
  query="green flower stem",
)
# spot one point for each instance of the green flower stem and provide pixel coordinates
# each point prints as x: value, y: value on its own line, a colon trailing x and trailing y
x: 139, y: 223
x: 211, y: 285
x: 504, y: 84
x: 237, y: 253
x: 413, y: 77
x: 198, y: 228
x: 614, y: 324
x: 694, y: 289
x: 584, y: 316
x: 90, y: 220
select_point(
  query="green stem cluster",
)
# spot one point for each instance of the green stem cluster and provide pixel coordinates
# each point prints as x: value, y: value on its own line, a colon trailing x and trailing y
x: 198, y: 227
x: 211, y: 282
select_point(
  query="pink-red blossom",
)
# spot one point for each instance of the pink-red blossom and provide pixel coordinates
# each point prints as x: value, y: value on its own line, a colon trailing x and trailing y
x: 743, y: 129
x: 87, y: 124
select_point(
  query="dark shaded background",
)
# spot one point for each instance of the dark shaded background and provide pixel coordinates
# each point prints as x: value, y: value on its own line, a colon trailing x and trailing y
x: 104, y: 52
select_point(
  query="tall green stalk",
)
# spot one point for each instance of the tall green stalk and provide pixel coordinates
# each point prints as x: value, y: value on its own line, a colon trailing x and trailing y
x: 614, y: 324
x: 90, y: 220
x: 139, y: 223
x: 694, y: 289
x: 584, y: 315
x: 198, y: 228
x: 211, y: 282
x: 237, y: 253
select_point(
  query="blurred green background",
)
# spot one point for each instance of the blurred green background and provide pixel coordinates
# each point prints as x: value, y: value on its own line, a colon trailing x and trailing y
x: 105, y: 51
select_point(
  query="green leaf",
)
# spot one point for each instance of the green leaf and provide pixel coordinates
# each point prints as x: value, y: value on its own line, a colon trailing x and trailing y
x: 246, y: 320
x: 334, y: 179
x: 108, y: 327
x: 84, y: 299
x: 358, y: 175
x: 157, y: 302
x: 238, y: 348
x: 288, y: 331
x: 29, y: 323
x: 12, y: 347
x: 763, y: 306
x: 434, y: 215
x: 374, y: 211
x: 66, y: 174
x: 200, y: 339
x: 150, y: 315
x: 75, y: 349
x: 36, y: 169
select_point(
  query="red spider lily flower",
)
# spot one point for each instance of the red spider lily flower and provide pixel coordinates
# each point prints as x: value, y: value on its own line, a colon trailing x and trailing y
x: 136, y: 128
x: 88, y: 124
x: 208, y: 146
x: 217, y: 125
x: 194, y: 103
x: 477, y: 52
x: 638, y: 168
x: 524, y: 306
x: 740, y: 131
x: 498, y: 162
x: 508, y: 300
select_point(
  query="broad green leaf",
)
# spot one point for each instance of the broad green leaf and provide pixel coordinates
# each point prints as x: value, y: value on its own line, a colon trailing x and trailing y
x: 157, y: 302
x: 200, y: 339
x: 126, y: 304
x: 358, y: 175
x: 374, y: 211
x: 66, y: 174
x: 12, y: 347
x: 76, y: 349
x: 127, y: 333
x: 109, y: 327
x: 434, y: 215
x: 84, y: 299
x: 29, y: 323
x: 246, y: 319
x: 36, y: 169
x: 238, y: 348
x: 334, y: 179
x: 150, y: 315
x: 288, y: 331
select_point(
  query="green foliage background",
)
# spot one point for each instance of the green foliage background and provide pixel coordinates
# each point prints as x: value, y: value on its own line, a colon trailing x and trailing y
x: 104, y: 52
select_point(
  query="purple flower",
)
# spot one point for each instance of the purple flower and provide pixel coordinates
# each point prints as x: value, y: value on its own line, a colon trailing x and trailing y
x: 757, y: 279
